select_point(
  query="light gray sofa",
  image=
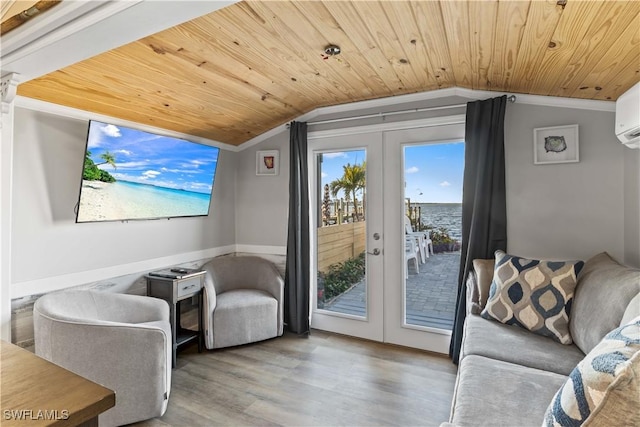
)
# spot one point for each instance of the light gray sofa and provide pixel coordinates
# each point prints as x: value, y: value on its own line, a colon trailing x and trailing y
x: 122, y: 342
x: 243, y: 301
x: 508, y: 376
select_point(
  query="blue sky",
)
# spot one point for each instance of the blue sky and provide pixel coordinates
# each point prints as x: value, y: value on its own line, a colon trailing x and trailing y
x: 433, y: 172
x: 332, y: 166
x: 157, y: 160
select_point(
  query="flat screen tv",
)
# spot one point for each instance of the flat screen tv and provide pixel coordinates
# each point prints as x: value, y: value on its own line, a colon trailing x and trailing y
x: 130, y: 174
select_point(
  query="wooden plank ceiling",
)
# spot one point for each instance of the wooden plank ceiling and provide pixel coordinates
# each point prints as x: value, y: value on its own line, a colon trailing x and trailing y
x: 247, y: 68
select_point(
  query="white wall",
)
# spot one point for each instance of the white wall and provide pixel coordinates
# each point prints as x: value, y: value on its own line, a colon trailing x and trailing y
x: 561, y: 211
x: 632, y: 207
x: 46, y: 241
x: 569, y: 210
x: 262, y: 202
x: 555, y: 211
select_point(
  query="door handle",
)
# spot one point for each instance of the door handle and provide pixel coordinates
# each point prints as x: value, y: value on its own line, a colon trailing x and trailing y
x: 376, y: 252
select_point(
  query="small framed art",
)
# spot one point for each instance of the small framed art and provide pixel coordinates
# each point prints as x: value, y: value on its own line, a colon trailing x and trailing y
x: 558, y: 144
x: 267, y: 162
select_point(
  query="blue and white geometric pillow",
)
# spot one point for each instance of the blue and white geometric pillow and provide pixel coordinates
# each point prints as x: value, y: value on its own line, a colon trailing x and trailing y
x: 604, y: 375
x: 533, y: 294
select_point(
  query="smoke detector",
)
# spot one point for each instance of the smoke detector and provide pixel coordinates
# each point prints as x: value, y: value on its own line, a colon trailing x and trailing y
x: 332, y: 50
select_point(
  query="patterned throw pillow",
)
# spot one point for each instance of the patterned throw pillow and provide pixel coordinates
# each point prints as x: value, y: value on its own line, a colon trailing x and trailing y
x: 533, y: 294
x: 604, y: 388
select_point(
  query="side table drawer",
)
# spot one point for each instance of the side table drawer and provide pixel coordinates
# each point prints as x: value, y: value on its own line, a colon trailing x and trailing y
x: 189, y: 286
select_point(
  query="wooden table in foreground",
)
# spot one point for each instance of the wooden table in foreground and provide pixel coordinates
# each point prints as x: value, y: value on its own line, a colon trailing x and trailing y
x: 36, y: 392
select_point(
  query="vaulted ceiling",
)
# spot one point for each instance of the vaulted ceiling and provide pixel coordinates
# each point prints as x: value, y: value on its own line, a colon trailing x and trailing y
x: 242, y: 70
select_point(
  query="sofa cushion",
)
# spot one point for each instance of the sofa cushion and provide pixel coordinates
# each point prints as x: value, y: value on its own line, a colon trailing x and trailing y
x: 493, y: 393
x: 243, y: 316
x: 516, y: 345
x: 632, y: 311
x: 533, y: 294
x: 604, y: 388
x: 604, y: 291
x: 484, y: 270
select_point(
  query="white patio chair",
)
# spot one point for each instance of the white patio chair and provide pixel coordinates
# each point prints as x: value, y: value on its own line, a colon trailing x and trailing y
x: 425, y: 245
x: 411, y: 252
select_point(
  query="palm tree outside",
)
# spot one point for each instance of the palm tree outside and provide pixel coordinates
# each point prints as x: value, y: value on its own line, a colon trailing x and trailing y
x: 352, y: 181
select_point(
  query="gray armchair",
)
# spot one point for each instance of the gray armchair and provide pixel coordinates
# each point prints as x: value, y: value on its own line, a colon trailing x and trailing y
x: 243, y: 301
x: 122, y: 342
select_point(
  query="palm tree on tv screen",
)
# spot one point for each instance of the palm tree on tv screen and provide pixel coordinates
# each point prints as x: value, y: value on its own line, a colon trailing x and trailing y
x: 93, y: 173
x: 108, y: 159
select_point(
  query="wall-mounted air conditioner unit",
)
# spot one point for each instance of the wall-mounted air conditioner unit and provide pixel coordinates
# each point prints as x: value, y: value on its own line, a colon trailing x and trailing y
x: 628, y: 117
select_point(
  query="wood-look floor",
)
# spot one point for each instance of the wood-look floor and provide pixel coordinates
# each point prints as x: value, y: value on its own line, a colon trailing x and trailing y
x: 323, y: 380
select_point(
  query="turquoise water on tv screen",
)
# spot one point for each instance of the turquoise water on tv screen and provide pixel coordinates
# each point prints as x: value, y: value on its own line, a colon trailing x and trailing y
x: 131, y: 174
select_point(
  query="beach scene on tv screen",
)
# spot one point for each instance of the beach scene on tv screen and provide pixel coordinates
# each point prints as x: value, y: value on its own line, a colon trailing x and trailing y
x: 132, y: 174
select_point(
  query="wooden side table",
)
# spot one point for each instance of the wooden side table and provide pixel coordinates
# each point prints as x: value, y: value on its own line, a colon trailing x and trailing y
x: 174, y: 290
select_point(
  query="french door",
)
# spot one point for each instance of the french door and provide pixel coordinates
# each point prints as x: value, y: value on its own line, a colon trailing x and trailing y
x: 347, y: 235
x: 358, y: 237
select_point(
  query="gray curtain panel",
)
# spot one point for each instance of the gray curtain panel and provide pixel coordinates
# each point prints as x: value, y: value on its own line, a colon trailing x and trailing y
x: 484, y: 210
x: 296, y: 284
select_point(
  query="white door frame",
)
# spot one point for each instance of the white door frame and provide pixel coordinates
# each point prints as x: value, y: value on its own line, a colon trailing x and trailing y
x: 396, y: 330
x: 386, y: 311
x: 371, y: 326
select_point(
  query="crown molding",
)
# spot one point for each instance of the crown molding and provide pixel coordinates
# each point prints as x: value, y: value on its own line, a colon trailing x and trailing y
x: 388, y: 126
x: 8, y: 89
x: 547, y: 101
x: 74, y: 113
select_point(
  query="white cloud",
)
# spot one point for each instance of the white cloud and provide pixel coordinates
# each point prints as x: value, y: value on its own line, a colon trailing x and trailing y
x: 445, y: 184
x: 125, y: 152
x: 187, y: 171
x: 132, y: 165
x: 111, y: 130
x: 324, y: 174
x: 97, y: 133
x: 412, y: 169
x: 150, y: 174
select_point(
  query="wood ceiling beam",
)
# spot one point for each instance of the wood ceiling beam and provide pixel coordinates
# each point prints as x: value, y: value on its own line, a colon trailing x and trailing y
x: 29, y: 10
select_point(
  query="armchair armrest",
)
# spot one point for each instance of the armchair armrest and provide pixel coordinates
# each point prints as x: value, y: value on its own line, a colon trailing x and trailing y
x: 131, y: 309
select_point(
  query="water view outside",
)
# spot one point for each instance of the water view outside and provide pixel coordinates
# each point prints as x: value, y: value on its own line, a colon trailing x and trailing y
x: 433, y: 190
x: 447, y: 215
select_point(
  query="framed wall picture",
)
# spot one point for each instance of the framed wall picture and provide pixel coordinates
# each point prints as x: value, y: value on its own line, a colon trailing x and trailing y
x: 267, y: 162
x: 558, y: 144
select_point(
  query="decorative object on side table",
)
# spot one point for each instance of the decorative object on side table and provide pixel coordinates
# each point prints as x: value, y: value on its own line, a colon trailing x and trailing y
x: 267, y: 162
x: 558, y: 144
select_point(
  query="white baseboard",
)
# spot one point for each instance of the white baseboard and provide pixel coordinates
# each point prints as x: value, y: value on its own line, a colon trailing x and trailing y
x: 257, y: 249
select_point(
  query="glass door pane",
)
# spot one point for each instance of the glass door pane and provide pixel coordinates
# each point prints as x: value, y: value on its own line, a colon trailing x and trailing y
x: 341, y: 232
x: 346, y: 234
x: 433, y: 222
